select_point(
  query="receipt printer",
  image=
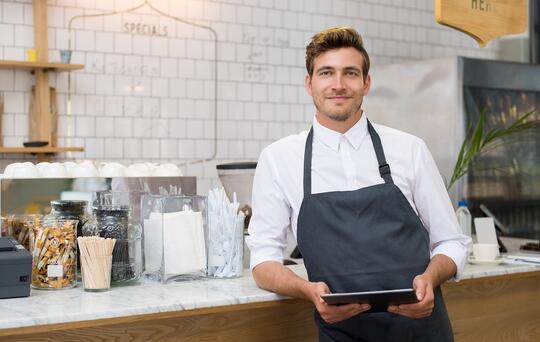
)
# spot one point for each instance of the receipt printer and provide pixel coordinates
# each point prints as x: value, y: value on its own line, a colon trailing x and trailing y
x: 15, y: 269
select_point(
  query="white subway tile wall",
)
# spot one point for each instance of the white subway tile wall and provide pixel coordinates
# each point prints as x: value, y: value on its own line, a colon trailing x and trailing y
x: 146, y: 92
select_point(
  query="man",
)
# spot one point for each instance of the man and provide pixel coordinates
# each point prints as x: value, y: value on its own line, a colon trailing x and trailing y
x: 366, y: 204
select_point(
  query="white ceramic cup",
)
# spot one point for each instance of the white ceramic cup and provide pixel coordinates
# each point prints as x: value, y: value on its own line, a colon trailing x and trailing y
x: 25, y: 170
x: 42, y: 167
x: 167, y: 170
x: 10, y: 169
x: 138, y: 170
x: 111, y: 170
x: 485, y: 251
x: 85, y: 169
x: 54, y: 170
x: 70, y: 168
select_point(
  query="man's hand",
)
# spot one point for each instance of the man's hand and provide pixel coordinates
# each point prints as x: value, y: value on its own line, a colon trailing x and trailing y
x: 424, y: 292
x: 333, y: 313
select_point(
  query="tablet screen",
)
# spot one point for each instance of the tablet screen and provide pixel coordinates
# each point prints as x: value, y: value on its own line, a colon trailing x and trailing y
x: 379, y: 299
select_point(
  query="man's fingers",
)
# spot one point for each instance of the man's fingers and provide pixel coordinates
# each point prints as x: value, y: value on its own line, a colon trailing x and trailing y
x: 337, y: 313
x: 349, y: 308
x: 410, y: 312
x: 420, y: 286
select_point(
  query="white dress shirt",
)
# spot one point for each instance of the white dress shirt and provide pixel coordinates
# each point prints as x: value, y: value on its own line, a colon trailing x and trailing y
x: 343, y: 162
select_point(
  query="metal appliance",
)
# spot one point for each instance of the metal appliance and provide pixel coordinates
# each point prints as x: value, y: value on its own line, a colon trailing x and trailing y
x: 437, y: 99
x: 15, y: 268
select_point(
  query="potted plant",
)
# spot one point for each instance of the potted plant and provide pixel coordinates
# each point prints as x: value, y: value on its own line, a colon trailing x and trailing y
x: 480, y: 140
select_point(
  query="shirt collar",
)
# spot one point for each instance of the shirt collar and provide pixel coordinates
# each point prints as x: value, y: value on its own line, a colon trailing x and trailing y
x: 332, y: 139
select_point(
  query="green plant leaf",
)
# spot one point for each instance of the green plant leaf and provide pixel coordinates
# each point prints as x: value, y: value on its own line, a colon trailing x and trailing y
x: 477, y: 142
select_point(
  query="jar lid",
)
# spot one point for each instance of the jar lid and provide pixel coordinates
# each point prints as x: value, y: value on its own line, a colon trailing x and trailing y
x: 237, y: 166
x: 109, y: 210
x: 69, y: 204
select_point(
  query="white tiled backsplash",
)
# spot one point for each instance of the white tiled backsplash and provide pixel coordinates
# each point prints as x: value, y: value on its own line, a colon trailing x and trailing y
x: 149, y: 98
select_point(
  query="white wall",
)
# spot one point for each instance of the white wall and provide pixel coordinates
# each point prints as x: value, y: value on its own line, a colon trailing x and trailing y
x: 143, y: 98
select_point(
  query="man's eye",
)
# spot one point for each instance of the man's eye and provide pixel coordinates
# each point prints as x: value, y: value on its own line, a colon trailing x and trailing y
x: 352, y: 73
x: 324, y: 73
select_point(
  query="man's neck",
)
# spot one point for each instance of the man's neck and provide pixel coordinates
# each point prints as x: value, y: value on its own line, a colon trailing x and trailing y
x: 339, y: 126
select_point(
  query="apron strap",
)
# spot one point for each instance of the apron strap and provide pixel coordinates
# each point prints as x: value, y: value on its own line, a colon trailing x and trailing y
x: 384, y: 168
x: 307, y: 163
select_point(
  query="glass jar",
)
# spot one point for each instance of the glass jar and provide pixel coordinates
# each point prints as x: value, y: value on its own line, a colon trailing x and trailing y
x: 19, y: 227
x: 70, y: 210
x: 110, y: 221
x: 54, y: 257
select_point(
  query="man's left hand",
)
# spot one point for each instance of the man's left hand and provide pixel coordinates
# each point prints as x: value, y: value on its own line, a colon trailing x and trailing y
x: 424, y: 292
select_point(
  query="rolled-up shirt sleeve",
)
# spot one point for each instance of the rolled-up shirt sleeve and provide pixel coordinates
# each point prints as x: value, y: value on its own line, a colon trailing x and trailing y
x: 271, y: 214
x: 436, y: 212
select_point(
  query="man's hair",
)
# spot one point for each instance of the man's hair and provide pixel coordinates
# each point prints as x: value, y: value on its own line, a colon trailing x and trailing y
x: 332, y: 39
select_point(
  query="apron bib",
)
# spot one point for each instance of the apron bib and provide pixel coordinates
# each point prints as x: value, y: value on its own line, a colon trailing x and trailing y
x: 366, y: 240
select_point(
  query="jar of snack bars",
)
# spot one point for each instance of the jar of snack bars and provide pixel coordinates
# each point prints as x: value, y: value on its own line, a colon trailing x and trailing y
x: 19, y: 227
x: 54, y: 254
x: 70, y: 210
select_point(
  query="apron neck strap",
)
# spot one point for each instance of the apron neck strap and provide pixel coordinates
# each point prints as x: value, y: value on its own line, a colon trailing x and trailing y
x: 307, y: 163
x: 384, y: 168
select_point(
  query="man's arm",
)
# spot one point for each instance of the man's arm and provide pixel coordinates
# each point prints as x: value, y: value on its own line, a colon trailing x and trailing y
x: 448, y: 246
x: 440, y: 269
x: 275, y: 277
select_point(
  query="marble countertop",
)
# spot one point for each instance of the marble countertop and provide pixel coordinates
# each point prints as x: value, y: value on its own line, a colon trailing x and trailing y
x: 73, y: 305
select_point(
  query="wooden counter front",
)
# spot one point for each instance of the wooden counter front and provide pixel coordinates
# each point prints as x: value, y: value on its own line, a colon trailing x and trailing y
x: 498, y: 308
x: 285, y: 320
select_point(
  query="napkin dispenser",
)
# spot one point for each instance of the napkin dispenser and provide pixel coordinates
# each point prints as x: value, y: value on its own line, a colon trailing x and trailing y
x: 15, y: 268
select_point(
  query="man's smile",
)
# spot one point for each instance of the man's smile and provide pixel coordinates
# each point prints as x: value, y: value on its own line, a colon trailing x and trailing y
x: 338, y: 99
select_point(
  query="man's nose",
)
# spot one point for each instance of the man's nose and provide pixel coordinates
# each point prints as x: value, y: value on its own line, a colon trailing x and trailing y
x: 338, y: 82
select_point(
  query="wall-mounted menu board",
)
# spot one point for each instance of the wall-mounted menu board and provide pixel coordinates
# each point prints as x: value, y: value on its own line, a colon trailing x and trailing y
x: 483, y: 19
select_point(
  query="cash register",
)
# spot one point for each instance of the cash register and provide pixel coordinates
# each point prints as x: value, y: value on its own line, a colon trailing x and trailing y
x: 15, y: 269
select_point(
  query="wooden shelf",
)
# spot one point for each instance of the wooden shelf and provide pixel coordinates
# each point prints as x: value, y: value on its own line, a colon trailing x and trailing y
x: 41, y: 115
x: 40, y: 149
x: 46, y: 66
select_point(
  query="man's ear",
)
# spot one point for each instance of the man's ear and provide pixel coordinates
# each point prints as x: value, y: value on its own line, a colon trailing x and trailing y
x: 307, y: 84
x: 367, y: 85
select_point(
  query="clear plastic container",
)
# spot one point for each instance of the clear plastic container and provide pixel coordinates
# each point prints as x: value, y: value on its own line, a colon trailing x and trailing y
x: 54, y: 254
x: 175, y: 231
x: 96, y: 262
x: 225, y: 236
x: 464, y: 218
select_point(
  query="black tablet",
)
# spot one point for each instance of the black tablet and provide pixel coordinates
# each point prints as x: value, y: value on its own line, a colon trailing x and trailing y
x: 380, y: 299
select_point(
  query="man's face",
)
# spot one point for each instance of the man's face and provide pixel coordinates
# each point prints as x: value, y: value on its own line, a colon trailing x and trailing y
x: 337, y: 84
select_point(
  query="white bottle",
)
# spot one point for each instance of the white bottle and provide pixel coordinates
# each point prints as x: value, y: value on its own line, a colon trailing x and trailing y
x: 464, y: 218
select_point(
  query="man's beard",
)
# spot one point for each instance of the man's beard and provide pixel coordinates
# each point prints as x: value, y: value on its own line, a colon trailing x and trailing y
x: 339, y: 116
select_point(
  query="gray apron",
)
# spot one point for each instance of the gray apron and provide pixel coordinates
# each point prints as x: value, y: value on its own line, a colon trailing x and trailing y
x: 365, y: 240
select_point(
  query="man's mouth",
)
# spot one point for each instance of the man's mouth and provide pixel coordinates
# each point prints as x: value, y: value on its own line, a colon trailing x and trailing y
x: 338, y: 98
